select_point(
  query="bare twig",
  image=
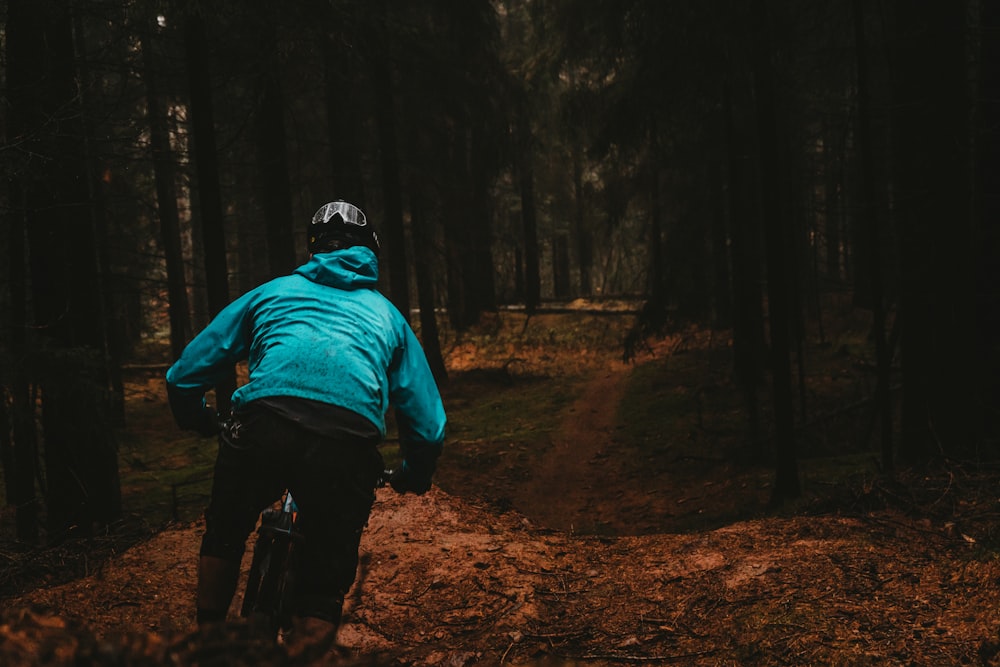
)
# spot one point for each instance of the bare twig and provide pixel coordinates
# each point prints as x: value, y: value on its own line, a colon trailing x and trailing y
x: 624, y: 657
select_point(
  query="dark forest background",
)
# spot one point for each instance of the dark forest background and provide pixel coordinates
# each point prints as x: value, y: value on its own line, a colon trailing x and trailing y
x: 729, y: 164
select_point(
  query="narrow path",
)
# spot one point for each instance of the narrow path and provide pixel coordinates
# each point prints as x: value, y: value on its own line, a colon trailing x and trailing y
x: 570, y: 478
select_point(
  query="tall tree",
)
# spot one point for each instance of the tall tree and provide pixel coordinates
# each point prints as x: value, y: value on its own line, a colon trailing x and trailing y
x: 932, y: 199
x: 272, y: 151
x: 522, y: 88
x: 484, y: 153
x: 988, y: 216
x: 394, y: 230
x: 786, y: 484
x: 423, y: 262
x: 22, y: 447
x: 473, y: 124
x: 342, y: 60
x: 584, y: 245
x: 80, y: 455
x: 721, y: 260
x: 196, y: 59
x: 869, y: 220
x: 165, y: 177
x: 524, y: 151
x: 577, y: 114
x: 748, y: 315
x: 458, y: 243
x: 833, y: 188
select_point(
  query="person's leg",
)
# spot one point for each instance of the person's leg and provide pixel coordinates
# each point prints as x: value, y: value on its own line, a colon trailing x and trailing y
x: 217, y: 578
x: 336, y: 490
x: 242, y: 486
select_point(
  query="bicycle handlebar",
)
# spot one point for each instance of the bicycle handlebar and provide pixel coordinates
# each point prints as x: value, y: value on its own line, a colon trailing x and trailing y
x: 288, y: 505
x: 383, y: 479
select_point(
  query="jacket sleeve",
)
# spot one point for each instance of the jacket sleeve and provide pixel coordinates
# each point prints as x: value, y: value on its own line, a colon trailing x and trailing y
x: 206, y: 360
x: 413, y: 391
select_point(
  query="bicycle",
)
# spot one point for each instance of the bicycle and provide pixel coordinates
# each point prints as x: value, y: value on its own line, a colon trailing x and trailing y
x: 271, y: 582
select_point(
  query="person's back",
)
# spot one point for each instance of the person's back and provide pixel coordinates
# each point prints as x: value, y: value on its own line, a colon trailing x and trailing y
x: 325, y: 334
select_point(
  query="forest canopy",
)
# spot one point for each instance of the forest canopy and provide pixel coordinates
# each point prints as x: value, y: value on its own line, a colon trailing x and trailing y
x: 726, y: 164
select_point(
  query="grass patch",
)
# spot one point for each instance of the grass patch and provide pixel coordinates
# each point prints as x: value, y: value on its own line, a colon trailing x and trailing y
x: 165, y: 472
x: 505, y: 409
x: 680, y: 408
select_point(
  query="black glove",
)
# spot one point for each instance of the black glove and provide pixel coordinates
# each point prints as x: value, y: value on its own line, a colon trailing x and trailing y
x: 419, y: 464
x: 191, y: 413
x: 208, y: 424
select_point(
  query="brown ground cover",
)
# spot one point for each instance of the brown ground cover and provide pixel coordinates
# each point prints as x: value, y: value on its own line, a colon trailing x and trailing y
x: 563, y: 551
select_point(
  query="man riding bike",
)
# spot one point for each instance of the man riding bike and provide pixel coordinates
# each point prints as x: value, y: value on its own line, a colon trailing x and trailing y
x: 327, y: 354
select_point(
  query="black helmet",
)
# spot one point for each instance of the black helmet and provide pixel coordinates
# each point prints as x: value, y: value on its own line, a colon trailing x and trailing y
x: 340, y: 225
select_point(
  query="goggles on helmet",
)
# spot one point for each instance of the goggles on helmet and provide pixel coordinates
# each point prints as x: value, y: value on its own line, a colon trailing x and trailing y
x: 340, y: 225
x: 349, y: 213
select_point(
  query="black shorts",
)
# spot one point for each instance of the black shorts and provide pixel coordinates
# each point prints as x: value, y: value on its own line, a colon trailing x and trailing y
x: 332, y: 480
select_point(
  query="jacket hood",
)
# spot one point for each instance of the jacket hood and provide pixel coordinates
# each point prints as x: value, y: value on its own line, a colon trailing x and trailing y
x: 352, y: 268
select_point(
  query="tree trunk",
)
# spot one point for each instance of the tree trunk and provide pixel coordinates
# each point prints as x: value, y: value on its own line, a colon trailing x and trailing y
x: 722, y: 311
x: 481, y: 228
x: 748, y: 316
x: 272, y: 159
x: 165, y: 177
x: 423, y: 254
x: 7, y: 451
x: 869, y: 222
x: 786, y: 484
x: 584, y: 245
x: 932, y: 197
x: 343, y: 123
x: 657, y: 271
x: 560, y: 266
x: 796, y: 243
x: 395, y: 235
x: 460, y: 238
x: 988, y: 205
x: 832, y: 196
x: 47, y: 118
x: 209, y: 191
x: 20, y: 461
x: 526, y: 183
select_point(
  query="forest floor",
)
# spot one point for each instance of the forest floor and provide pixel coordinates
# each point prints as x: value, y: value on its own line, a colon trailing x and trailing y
x: 562, y: 545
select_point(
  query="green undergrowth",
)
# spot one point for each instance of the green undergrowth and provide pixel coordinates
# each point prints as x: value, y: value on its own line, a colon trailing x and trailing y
x: 681, y: 407
x: 684, y: 422
x: 164, y: 471
x: 512, y: 381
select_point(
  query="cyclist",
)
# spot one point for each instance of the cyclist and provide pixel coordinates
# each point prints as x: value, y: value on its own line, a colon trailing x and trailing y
x: 327, y: 354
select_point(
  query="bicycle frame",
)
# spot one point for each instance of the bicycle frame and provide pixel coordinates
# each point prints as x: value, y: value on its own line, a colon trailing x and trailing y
x: 271, y: 582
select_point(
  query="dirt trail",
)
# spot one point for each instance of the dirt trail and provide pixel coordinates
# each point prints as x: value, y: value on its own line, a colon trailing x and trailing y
x: 565, y: 483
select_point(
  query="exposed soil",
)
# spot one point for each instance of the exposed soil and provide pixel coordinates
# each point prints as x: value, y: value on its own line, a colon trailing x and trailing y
x: 450, y: 579
x: 448, y: 582
x: 564, y: 490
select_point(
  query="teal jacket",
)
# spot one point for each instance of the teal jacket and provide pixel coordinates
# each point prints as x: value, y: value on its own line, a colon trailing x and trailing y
x: 323, y: 333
